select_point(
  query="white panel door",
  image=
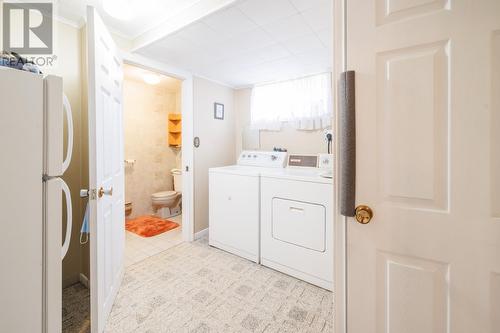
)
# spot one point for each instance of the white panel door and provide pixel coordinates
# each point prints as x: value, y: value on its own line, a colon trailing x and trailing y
x: 107, y: 220
x: 428, y: 118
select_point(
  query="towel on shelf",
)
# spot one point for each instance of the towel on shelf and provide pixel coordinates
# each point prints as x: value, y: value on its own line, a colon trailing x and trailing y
x: 16, y: 61
x: 84, y: 231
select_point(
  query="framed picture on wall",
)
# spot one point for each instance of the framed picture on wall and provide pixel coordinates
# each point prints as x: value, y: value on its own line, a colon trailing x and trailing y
x: 219, y: 111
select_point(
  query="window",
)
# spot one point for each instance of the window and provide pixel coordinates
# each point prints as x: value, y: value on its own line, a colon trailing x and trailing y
x: 305, y: 103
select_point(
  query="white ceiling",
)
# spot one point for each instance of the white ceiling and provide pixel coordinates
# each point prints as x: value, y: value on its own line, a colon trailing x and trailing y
x: 253, y: 41
x: 148, y: 14
x: 245, y: 43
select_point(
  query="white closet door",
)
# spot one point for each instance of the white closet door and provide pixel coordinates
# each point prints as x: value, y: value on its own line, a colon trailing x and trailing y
x: 427, y: 117
x: 107, y: 208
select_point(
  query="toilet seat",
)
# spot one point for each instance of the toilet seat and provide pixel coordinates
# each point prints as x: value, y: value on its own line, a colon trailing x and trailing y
x: 165, y: 199
x: 164, y: 195
x: 168, y: 203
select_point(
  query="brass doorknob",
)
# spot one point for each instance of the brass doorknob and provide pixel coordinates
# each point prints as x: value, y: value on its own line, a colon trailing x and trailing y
x: 103, y: 192
x: 364, y: 214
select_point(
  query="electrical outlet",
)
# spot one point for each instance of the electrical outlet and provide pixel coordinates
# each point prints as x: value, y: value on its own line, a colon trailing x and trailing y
x: 325, y: 161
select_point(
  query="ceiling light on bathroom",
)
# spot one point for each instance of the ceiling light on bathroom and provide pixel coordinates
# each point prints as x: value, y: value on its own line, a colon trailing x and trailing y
x: 119, y: 9
x: 151, y: 78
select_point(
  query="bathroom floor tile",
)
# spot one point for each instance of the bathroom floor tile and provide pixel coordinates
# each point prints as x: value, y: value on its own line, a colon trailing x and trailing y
x: 138, y: 248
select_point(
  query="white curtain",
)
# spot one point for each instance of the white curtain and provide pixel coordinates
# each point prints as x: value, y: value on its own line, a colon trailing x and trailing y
x: 305, y: 103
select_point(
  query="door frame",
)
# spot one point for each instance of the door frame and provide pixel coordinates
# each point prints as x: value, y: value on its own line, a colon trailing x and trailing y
x: 340, y: 221
x: 187, y: 148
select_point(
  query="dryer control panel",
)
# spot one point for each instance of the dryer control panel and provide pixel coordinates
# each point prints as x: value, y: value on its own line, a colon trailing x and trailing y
x: 267, y: 159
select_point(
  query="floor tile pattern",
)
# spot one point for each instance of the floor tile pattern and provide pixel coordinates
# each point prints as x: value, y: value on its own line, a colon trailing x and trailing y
x: 196, y: 288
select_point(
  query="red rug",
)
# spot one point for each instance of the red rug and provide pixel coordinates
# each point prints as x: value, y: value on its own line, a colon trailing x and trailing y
x: 148, y: 226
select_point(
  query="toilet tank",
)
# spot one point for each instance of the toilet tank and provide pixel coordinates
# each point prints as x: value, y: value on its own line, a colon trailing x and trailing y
x: 177, y: 174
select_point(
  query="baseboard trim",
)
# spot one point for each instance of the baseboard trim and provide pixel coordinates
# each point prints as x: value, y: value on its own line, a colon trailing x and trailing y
x: 68, y: 281
x: 84, y: 280
x: 201, y: 234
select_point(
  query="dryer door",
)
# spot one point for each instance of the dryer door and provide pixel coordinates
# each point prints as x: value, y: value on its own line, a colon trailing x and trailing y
x: 297, y: 229
x: 299, y: 223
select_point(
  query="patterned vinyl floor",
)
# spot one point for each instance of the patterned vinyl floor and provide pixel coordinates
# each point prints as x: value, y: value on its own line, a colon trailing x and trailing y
x: 195, y: 288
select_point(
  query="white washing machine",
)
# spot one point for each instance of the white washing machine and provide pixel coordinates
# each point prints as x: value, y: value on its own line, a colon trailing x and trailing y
x: 234, y: 202
x: 297, y: 224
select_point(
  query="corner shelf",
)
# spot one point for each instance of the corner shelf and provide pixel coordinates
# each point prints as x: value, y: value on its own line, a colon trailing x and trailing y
x: 174, y: 129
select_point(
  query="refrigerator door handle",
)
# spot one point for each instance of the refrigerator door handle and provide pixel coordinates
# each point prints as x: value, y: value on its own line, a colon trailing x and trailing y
x: 69, y: 222
x: 69, y: 118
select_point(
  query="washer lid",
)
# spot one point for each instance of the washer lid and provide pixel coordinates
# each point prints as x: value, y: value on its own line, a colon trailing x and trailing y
x: 238, y: 170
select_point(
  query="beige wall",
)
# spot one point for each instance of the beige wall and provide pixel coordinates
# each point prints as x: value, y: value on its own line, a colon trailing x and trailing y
x: 146, y: 109
x: 296, y: 141
x: 85, y: 249
x: 217, y: 145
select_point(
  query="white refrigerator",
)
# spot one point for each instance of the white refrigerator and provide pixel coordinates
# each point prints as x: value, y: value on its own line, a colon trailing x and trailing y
x: 32, y: 111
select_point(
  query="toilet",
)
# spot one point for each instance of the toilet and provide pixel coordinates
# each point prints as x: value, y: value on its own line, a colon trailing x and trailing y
x: 168, y: 203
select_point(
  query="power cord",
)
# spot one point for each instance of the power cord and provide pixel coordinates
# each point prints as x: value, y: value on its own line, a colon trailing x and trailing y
x: 329, y: 138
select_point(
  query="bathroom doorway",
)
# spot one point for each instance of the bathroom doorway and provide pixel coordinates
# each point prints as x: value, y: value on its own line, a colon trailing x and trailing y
x: 152, y: 120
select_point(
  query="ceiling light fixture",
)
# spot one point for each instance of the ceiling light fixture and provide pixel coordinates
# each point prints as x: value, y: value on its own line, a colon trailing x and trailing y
x: 151, y: 79
x: 119, y: 9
